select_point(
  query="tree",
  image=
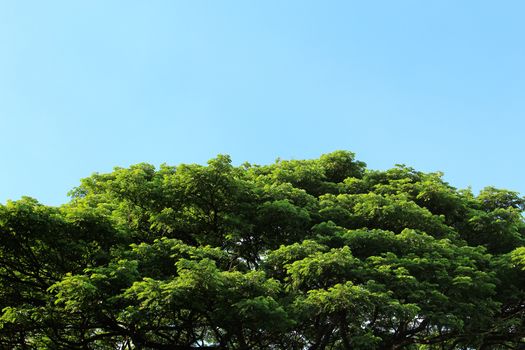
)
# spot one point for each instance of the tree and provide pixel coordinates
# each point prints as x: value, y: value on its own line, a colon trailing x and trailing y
x: 301, y: 254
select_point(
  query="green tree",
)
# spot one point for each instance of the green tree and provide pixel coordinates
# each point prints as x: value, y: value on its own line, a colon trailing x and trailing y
x: 300, y: 254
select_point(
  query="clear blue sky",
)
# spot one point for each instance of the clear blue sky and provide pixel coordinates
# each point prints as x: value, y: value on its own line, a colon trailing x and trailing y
x: 89, y: 85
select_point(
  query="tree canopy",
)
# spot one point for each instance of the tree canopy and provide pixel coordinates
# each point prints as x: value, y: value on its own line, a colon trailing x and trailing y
x: 300, y: 254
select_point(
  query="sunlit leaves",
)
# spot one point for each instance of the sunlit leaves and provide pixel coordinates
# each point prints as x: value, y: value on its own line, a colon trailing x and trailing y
x: 300, y: 254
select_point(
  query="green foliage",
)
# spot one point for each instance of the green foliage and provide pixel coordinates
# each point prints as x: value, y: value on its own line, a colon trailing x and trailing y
x: 300, y: 254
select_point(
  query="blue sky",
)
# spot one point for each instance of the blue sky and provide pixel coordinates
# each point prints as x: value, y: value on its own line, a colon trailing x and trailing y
x: 89, y: 85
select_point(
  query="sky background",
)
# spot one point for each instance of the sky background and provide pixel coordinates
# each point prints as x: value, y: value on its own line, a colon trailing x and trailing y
x: 89, y: 85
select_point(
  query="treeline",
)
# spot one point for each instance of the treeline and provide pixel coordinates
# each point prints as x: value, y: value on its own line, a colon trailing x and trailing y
x: 300, y: 254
